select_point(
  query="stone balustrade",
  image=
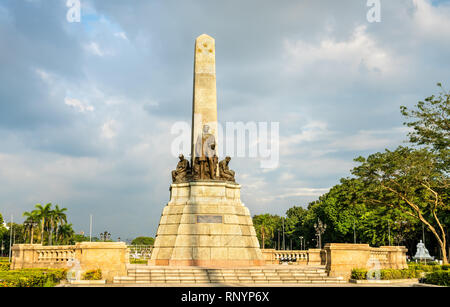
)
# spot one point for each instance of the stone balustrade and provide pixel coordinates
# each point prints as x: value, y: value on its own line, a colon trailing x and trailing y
x: 58, y: 254
x: 295, y: 257
x: 291, y: 256
x: 110, y: 257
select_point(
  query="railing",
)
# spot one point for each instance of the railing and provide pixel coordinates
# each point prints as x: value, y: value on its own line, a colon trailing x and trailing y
x: 142, y: 252
x: 56, y: 254
x: 379, y: 256
x: 291, y: 256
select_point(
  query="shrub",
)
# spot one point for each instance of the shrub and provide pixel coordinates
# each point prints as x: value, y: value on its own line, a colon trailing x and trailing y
x: 440, y: 278
x: 387, y: 274
x: 138, y: 261
x: 424, y: 267
x: 4, y: 266
x: 445, y: 267
x: 31, y: 277
x: 93, y: 275
x: 359, y: 274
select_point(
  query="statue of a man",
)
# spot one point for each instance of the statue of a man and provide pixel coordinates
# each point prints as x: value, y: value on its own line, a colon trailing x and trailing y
x: 181, y: 173
x: 225, y: 172
x: 205, y: 150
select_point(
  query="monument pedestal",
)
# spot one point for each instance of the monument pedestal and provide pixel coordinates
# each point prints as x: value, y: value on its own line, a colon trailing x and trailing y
x: 206, y: 224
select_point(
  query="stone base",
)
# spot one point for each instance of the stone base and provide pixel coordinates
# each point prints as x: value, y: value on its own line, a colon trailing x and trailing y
x: 206, y: 224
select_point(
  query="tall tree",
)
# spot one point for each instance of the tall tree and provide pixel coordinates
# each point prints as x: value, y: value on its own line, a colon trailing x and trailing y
x: 266, y: 226
x: 60, y: 218
x: 43, y: 212
x: 65, y: 234
x: 410, y: 180
x: 430, y: 121
x: 31, y: 219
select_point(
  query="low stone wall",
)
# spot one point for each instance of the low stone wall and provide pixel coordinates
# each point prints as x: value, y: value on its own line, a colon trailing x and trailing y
x: 341, y: 258
x: 110, y: 257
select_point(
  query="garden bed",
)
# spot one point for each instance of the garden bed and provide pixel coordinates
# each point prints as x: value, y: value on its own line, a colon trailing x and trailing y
x: 428, y: 274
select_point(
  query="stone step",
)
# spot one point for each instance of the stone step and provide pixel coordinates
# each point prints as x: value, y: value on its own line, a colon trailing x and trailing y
x: 272, y: 275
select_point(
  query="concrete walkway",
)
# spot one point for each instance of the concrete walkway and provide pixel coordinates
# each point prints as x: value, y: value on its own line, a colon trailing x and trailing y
x: 325, y: 285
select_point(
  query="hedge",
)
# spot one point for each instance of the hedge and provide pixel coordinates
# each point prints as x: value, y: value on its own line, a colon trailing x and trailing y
x: 31, y: 277
x: 430, y: 274
x: 440, y: 278
x: 387, y: 274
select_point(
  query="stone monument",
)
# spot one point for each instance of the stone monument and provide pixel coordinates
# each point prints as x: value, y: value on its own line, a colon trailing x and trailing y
x: 205, y: 223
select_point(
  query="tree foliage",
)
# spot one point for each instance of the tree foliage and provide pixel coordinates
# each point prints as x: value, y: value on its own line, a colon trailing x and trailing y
x: 143, y: 241
x: 410, y: 180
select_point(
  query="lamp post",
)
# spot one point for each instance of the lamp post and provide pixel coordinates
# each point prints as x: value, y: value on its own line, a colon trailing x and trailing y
x: 389, y: 230
x: 105, y: 236
x: 301, y: 242
x: 279, y: 240
x: 320, y: 230
x: 10, y: 237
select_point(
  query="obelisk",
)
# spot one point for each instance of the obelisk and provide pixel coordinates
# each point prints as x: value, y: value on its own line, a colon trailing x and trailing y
x: 204, y: 105
x: 205, y: 223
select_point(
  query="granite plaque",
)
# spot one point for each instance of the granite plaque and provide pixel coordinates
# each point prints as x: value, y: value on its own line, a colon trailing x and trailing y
x: 209, y: 219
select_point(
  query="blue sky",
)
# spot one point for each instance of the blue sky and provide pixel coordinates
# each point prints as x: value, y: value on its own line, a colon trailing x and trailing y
x: 86, y: 108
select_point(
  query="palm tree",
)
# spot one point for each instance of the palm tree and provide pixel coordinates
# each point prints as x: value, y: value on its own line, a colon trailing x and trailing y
x: 43, y: 212
x: 31, y: 219
x: 66, y: 233
x: 60, y: 218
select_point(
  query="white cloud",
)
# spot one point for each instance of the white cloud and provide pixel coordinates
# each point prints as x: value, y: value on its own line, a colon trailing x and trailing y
x: 121, y: 35
x: 370, y: 139
x: 94, y: 49
x: 109, y: 129
x: 430, y: 20
x: 295, y: 192
x: 79, y: 105
x: 359, y: 50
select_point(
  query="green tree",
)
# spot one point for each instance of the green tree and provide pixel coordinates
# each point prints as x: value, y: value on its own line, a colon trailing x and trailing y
x: 410, y: 180
x: 32, y: 218
x: 431, y: 123
x: 65, y: 234
x: 265, y: 227
x: 59, y: 219
x: 43, y: 213
x: 143, y: 241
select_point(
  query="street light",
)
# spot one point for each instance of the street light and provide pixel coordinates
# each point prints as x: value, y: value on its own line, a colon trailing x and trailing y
x: 105, y: 236
x: 301, y: 243
x: 320, y: 230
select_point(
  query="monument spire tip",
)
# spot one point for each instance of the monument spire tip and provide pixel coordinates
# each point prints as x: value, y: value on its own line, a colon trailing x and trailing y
x: 204, y: 35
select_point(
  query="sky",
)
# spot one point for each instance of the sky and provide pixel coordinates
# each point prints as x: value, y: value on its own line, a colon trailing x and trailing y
x: 86, y: 108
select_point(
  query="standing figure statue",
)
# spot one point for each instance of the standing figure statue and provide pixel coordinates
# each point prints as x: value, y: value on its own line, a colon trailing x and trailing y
x: 205, y: 150
x: 181, y: 173
x: 225, y: 172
